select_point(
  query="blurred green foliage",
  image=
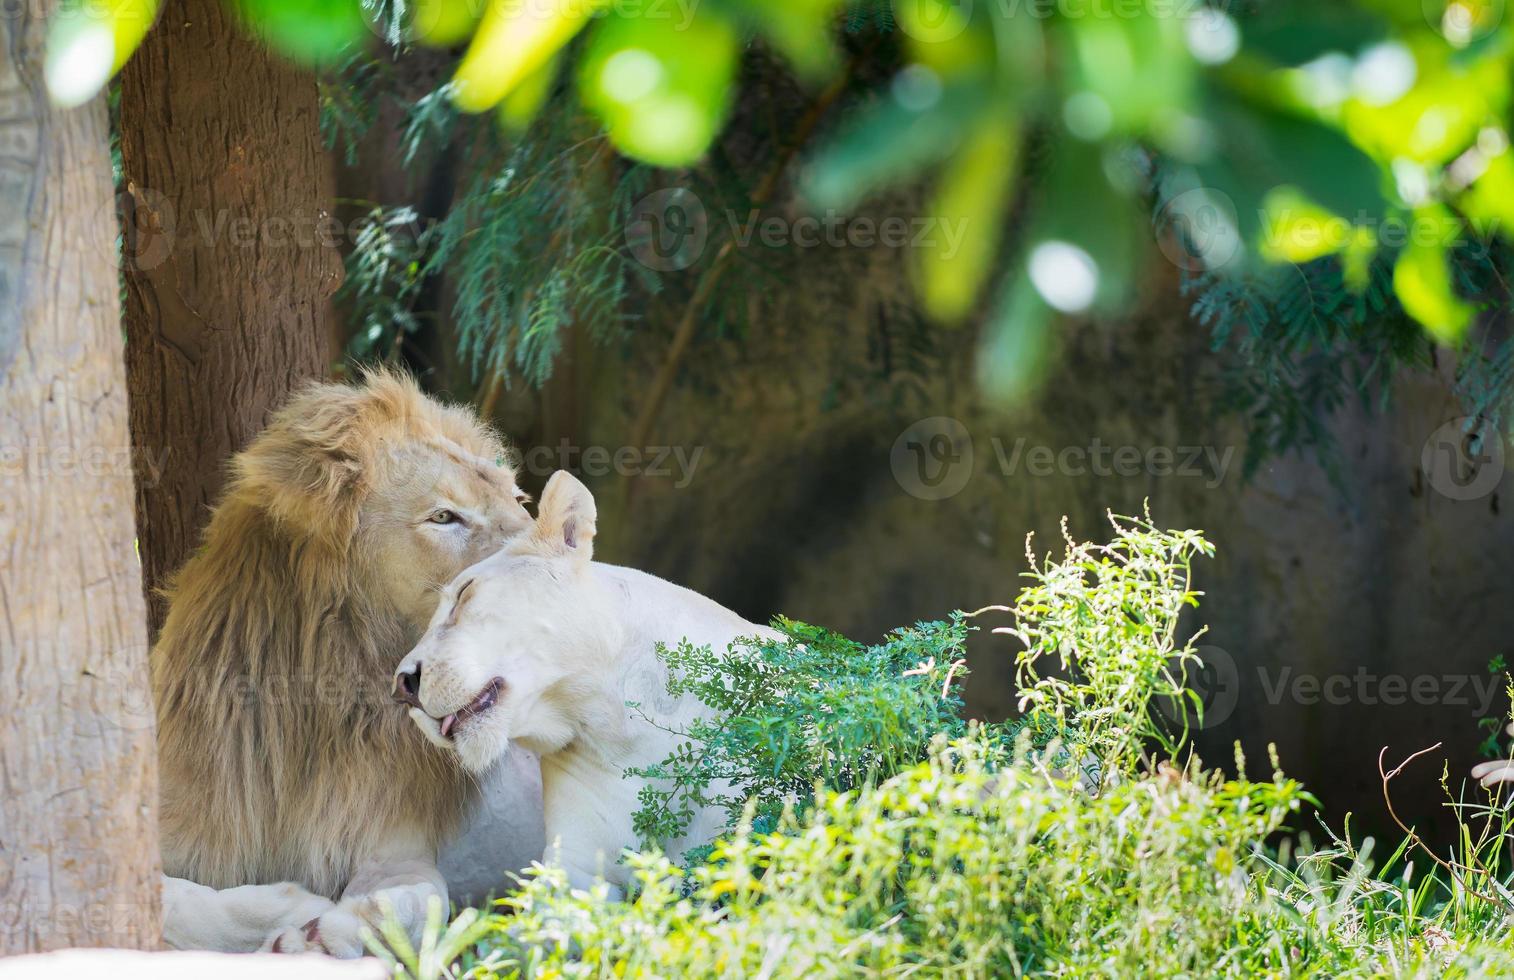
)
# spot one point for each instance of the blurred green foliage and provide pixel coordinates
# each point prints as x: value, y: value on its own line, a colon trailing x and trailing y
x: 1300, y: 131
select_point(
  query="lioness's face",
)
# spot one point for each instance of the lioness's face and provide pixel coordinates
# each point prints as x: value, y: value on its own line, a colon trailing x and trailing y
x: 515, y: 643
x: 434, y: 510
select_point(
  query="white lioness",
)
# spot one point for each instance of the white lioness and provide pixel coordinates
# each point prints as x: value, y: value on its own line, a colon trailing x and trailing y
x: 540, y: 646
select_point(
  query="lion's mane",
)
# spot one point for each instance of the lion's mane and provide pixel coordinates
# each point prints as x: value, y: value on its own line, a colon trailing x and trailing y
x: 280, y: 756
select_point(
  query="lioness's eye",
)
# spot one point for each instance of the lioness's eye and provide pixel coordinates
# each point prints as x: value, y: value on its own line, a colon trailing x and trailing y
x: 444, y: 517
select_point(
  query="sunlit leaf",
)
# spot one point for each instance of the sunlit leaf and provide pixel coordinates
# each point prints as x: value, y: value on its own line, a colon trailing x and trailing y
x: 1489, y: 202
x: 1422, y: 277
x: 1440, y: 115
x: 514, y: 39
x: 518, y: 108
x: 932, y: 21
x: 800, y: 29
x: 306, y: 31
x: 1356, y: 259
x: 1126, y: 75
x: 444, y: 23
x: 971, y: 197
x: 89, y: 41
x: 662, y: 94
x: 1295, y: 229
x: 954, y: 40
x: 130, y: 22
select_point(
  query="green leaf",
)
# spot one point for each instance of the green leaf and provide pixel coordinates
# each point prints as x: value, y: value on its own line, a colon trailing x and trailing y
x: 88, y: 41
x: 971, y: 198
x: 1489, y: 202
x: 1260, y: 149
x: 1293, y: 33
x: 1125, y: 75
x: 443, y: 23
x: 1422, y: 278
x: 518, y: 108
x: 889, y: 143
x: 661, y: 93
x: 1441, y: 115
x: 514, y: 40
x: 307, y: 31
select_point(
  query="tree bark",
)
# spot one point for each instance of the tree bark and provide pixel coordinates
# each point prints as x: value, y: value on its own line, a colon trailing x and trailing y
x: 232, y: 255
x: 79, y: 859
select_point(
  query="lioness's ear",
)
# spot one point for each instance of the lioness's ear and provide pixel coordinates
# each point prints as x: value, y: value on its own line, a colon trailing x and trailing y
x: 566, y: 518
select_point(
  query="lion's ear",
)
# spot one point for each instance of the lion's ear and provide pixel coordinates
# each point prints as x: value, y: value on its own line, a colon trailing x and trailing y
x: 566, y: 518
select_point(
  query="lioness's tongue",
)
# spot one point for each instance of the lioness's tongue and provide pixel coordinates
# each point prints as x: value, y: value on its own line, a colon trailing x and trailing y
x: 447, y: 724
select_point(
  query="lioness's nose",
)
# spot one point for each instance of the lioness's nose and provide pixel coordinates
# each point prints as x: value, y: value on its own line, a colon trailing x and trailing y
x: 407, y: 686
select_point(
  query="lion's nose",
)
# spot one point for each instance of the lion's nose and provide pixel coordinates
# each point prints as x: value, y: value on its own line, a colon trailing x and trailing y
x: 407, y: 686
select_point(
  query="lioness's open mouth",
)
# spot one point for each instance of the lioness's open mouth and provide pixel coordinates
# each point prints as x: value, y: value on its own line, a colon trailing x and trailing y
x: 481, y: 702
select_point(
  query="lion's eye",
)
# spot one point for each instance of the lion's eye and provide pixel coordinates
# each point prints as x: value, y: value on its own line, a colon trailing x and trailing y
x: 444, y: 517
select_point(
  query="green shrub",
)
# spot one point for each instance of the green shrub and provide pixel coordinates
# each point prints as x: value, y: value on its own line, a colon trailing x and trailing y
x: 813, y: 710
x: 1108, y: 614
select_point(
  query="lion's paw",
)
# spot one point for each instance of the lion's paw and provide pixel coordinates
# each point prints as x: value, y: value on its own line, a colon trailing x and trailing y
x: 336, y: 933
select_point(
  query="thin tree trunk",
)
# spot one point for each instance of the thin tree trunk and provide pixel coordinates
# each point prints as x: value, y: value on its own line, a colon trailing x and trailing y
x: 232, y: 257
x: 79, y: 859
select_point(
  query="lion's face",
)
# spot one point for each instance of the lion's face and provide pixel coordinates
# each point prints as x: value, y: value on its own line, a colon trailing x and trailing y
x: 515, y: 642
x: 434, y: 510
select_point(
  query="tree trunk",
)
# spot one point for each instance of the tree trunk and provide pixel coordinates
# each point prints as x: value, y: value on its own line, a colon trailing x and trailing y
x: 232, y: 255
x: 79, y: 859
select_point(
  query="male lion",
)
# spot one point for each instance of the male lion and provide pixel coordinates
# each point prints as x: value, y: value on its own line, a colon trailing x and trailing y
x: 281, y: 758
x: 539, y: 646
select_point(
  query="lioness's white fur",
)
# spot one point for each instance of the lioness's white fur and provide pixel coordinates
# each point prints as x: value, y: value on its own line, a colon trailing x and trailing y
x: 281, y: 758
x: 566, y: 642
